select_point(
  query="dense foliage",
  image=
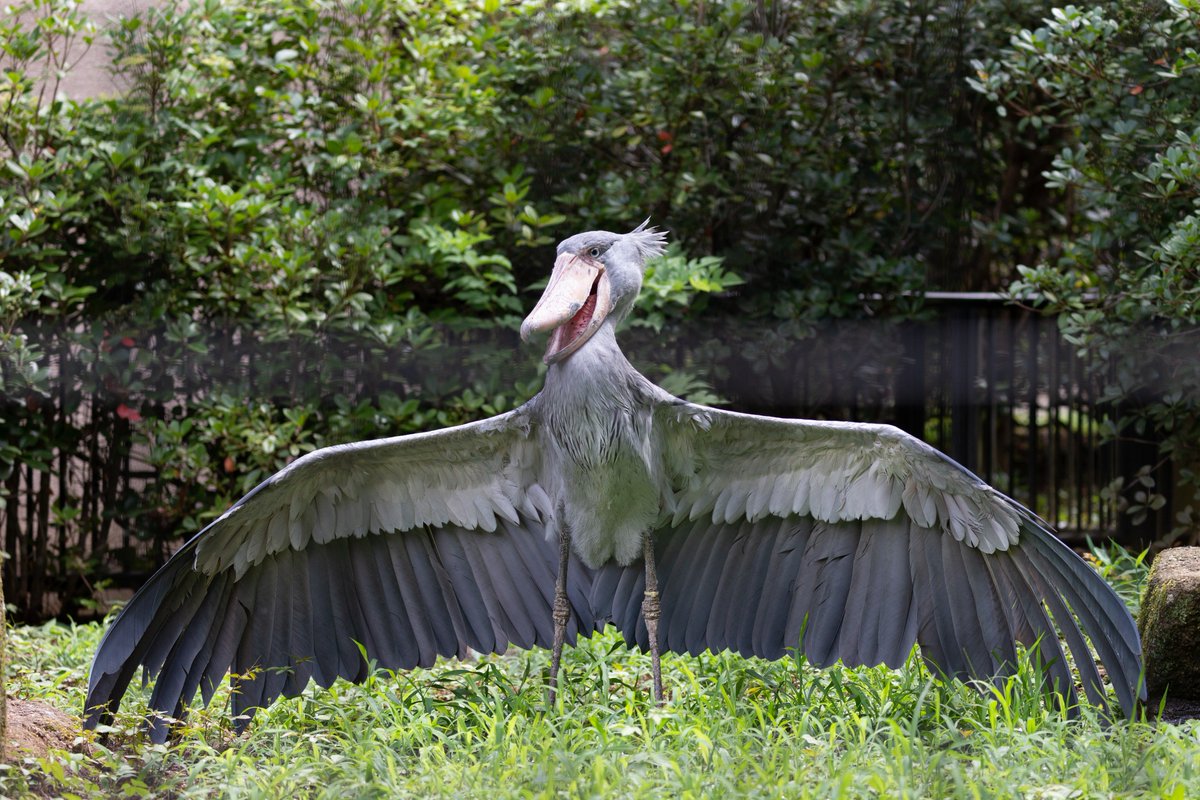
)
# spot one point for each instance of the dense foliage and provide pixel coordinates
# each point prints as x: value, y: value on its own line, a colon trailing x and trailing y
x: 1114, y: 89
x: 311, y: 221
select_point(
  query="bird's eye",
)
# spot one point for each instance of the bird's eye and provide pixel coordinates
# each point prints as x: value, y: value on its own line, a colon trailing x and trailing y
x: 594, y: 252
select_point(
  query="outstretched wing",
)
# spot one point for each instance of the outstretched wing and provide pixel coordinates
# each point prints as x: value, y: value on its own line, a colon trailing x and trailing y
x: 863, y: 540
x: 414, y: 547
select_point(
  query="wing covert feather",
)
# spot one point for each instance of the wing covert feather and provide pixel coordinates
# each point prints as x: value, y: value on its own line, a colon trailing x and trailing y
x: 730, y: 466
x: 470, y: 476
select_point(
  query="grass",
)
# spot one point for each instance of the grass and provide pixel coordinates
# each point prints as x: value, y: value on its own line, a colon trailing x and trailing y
x: 732, y: 727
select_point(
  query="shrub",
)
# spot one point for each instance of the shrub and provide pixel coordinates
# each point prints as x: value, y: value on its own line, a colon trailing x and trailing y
x: 1115, y: 88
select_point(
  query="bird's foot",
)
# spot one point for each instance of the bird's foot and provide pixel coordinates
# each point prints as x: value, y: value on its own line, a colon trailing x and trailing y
x: 561, y: 616
x: 651, y: 612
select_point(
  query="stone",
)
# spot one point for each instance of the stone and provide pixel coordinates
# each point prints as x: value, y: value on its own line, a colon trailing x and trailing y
x: 35, y: 728
x: 1170, y: 626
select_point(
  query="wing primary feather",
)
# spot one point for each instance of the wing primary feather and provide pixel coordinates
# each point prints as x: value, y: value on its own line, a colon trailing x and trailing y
x: 480, y: 634
x: 427, y: 609
x: 970, y: 632
x: 405, y: 653
x: 248, y: 663
x: 520, y: 630
x: 745, y: 593
x: 780, y: 617
x: 690, y: 565
x: 579, y: 592
x: 347, y: 613
x: 540, y: 587
x: 171, y: 692
x: 1082, y: 654
x: 604, y: 591
x: 1105, y: 637
x: 278, y: 668
x: 669, y: 546
x: 528, y: 591
x: 999, y: 636
x: 326, y: 658
x: 169, y: 623
x: 871, y: 594
x: 1030, y: 622
x: 378, y: 636
x: 453, y: 641
x: 896, y: 618
x: 935, y: 625
x: 703, y: 588
x: 1117, y: 622
x: 300, y: 648
x: 829, y: 571
x: 480, y: 566
x: 220, y: 593
x: 858, y: 638
x: 1047, y: 599
x: 233, y: 623
x: 634, y: 586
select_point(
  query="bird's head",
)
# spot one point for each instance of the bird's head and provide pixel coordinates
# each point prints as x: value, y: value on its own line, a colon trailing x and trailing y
x: 596, y: 278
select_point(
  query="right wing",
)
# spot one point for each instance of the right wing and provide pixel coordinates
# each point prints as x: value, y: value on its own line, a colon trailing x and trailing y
x: 852, y: 542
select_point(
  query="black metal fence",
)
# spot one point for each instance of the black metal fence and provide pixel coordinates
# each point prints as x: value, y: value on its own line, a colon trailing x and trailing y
x: 993, y: 385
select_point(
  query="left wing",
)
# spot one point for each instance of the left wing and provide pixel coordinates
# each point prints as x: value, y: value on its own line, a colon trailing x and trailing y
x: 414, y: 547
x: 865, y: 540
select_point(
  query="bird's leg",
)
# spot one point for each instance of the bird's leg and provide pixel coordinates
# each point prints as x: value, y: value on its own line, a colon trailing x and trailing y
x: 651, y: 610
x: 562, y: 607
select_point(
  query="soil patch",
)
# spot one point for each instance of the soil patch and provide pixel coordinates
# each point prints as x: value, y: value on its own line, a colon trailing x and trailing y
x: 1177, y: 711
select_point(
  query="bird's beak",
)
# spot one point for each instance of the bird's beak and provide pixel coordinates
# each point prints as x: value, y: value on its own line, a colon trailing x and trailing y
x: 575, y: 303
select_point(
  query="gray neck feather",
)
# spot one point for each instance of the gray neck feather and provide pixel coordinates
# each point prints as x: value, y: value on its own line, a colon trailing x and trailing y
x: 594, y: 401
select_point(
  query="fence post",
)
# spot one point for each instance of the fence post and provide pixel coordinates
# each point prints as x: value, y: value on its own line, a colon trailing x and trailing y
x: 910, y: 382
x: 964, y: 417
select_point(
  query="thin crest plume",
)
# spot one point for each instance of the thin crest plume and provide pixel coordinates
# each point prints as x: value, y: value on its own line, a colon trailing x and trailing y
x: 650, y: 241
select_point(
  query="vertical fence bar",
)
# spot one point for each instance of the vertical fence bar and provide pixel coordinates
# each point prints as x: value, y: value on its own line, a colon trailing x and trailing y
x: 941, y: 382
x: 1011, y: 335
x: 1079, y: 419
x: 964, y: 422
x: 1031, y: 371
x: 991, y: 360
x: 1052, y: 384
x: 910, y: 394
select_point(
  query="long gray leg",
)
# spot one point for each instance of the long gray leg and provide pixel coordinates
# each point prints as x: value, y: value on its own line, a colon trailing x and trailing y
x: 651, y: 611
x: 562, y: 607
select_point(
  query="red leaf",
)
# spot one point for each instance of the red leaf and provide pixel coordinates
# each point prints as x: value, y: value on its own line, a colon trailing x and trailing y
x: 1136, y: 90
x: 127, y: 341
x: 666, y: 148
x: 131, y: 414
x: 230, y: 465
x: 665, y: 136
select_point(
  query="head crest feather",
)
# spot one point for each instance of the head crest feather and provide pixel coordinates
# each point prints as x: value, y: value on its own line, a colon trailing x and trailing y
x: 649, y: 241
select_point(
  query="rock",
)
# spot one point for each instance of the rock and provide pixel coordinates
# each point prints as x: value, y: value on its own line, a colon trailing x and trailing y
x: 35, y: 728
x: 1170, y: 626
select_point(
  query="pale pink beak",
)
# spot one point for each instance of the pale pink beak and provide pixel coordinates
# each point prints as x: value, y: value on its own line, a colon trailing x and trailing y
x: 573, y: 306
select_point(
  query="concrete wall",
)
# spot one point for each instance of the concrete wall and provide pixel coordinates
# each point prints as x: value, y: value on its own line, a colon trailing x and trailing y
x: 89, y: 75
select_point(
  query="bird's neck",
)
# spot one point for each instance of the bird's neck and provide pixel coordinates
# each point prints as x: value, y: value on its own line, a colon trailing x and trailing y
x: 595, y: 428
x: 596, y: 371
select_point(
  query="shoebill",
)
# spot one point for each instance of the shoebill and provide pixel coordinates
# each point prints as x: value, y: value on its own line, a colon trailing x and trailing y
x: 605, y: 500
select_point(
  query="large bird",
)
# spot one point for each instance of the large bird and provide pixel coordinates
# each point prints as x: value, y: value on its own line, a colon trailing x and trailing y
x: 605, y: 500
